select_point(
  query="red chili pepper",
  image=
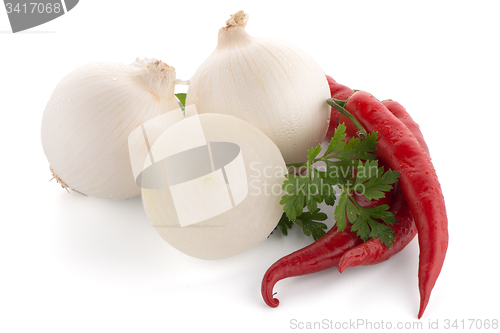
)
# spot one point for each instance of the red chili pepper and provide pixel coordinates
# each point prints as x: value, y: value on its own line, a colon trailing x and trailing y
x: 374, y: 251
x: 341, y: 92
x: 338, y: 91
x: 320, y: 255
x: 400, y: 112
x: 398, y: 147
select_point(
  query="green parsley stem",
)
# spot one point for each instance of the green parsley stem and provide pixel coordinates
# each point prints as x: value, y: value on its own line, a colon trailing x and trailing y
x: 354, y: 201
x: 334, y: 104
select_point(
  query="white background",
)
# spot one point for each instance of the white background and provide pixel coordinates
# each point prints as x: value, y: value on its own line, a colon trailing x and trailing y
x: 70, y: 263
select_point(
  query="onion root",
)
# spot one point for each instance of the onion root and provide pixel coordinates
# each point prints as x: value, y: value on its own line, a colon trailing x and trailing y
x: 62, y: 183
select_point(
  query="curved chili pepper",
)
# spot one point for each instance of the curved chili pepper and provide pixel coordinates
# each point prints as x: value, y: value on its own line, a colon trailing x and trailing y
x: 320, y: 255
x: 340, y: 92
x: 400, y: 112
x: 374, y: 251
x: 398, y: 147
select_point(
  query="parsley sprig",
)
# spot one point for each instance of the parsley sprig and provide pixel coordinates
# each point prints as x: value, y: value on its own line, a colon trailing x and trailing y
x: 351, y: 167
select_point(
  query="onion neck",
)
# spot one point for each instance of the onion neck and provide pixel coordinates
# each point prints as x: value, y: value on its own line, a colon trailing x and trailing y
x: 235, y: 28
x: 158, y: 78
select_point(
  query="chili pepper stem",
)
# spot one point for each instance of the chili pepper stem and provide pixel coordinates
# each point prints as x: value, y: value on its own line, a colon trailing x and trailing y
x: 340, y: 102
x: 334, y: 104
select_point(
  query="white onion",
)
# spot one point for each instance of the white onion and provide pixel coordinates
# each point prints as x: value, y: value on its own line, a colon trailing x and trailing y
x: 273, y: 85
x: 87, y: 121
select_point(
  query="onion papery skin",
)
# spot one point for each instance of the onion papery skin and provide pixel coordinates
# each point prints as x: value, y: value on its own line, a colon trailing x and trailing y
x: 88, y: 119
x: 271, y: 84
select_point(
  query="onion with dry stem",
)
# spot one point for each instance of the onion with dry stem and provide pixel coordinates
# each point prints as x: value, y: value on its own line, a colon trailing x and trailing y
x: 273, y: 85
x: 89, y: 116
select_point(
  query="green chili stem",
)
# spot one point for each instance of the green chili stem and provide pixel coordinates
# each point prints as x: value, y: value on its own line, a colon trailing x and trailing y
x: 361, y: 130
x: 340, y: 102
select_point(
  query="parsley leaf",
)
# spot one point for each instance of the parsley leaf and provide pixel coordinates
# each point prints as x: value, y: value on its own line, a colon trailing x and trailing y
x: 367, y: 227
x: 337, y: 142
x: 284, y: 224
x: 354, y: 149
x: 350, y: 166
x: 182, y: 98
x: 295, y: 197
x: 345, y: 211
x: 307, y: 222
x: 313, y: 152
x: 371, y: 180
